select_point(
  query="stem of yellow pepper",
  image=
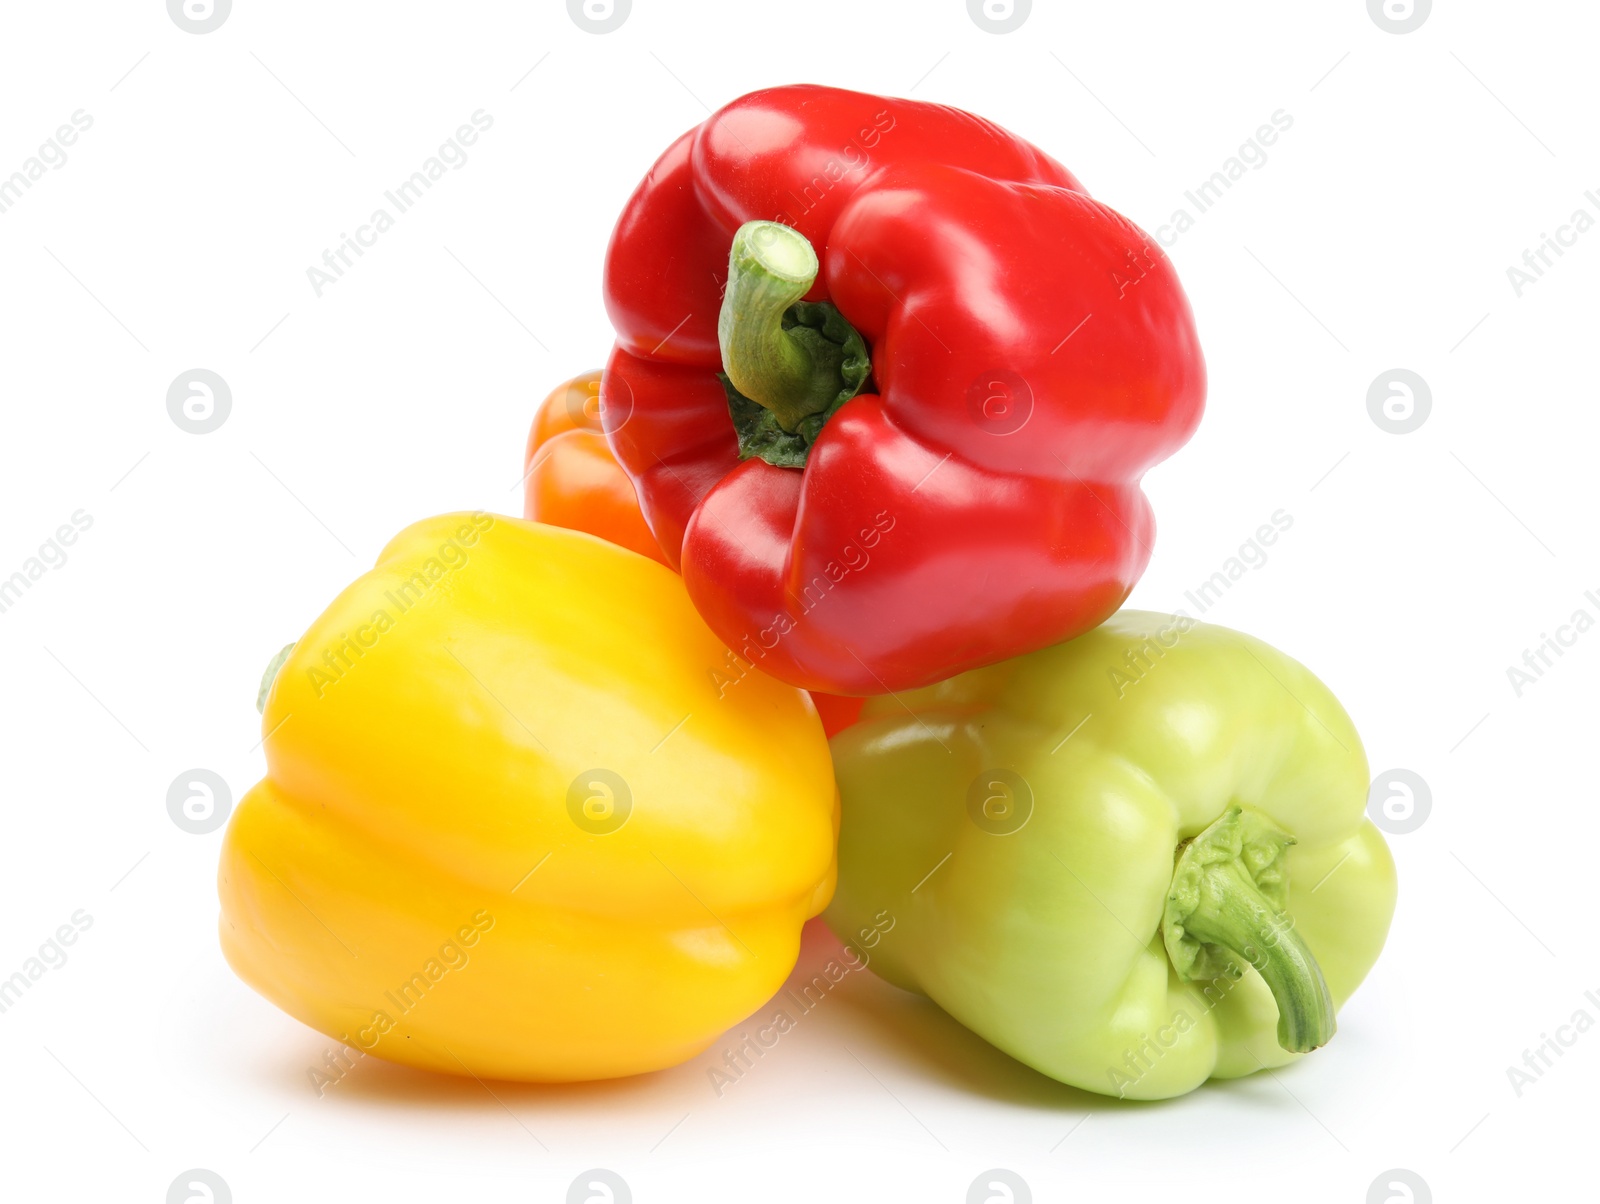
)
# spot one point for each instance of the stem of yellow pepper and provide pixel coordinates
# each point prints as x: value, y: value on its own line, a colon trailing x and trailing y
x: 1226, y: 903
x: 271, y: 675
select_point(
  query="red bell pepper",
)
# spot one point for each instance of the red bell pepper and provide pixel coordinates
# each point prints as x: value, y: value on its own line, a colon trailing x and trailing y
x: 886, y: 380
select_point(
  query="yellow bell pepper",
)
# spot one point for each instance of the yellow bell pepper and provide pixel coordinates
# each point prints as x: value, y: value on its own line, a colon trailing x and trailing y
x: 512, y: 827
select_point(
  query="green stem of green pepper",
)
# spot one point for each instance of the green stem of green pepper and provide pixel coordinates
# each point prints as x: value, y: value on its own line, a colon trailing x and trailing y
x: 1226, y: 901
x: 792, y: 373
x: 1234, y: 916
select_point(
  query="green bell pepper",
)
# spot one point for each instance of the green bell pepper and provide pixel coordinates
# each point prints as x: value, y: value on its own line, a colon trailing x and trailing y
x: 1134, y: 861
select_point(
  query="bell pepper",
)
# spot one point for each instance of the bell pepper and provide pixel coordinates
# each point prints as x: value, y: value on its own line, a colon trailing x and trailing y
x: 1134, y: 861
x: 570, y: 477
x: 572, y: 480
x: 509, y: 828
x: 886, y: 379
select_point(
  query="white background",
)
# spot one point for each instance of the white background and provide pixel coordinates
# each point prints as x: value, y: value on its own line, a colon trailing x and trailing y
x: 1418, y: 567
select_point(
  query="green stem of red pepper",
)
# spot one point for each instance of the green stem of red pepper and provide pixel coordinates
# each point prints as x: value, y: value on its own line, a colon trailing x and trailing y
x: 789, y: 368
x: 1226, y: 903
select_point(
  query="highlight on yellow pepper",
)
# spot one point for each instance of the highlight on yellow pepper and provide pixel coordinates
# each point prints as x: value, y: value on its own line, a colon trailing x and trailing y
x: 512, y: 827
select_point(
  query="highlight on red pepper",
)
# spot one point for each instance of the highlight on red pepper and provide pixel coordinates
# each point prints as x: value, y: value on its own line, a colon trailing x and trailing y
x: 886, y: 380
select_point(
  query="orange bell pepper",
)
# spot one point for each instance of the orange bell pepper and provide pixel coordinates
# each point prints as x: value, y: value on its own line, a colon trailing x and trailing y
x: 571, y: 478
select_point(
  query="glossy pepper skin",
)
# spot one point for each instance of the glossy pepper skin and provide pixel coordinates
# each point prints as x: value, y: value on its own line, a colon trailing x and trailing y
x: 572, y: 480
x: 1082, y: 849
x: 509, y: 829
x: 1031, y: 354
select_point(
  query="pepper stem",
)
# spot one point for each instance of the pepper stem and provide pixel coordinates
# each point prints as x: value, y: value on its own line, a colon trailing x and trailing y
x: 794, y: 373
x: 271, y: 675
x: 1226, y: 902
